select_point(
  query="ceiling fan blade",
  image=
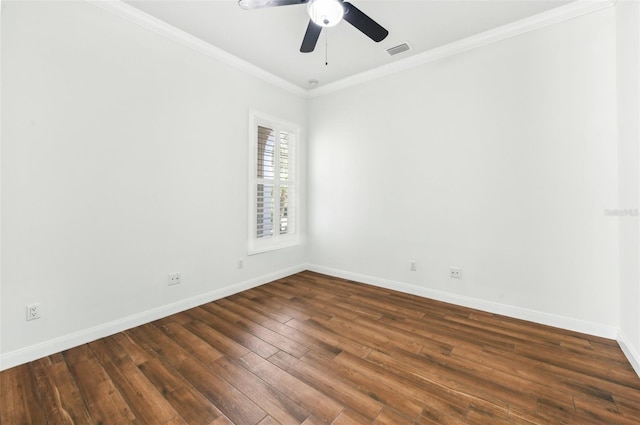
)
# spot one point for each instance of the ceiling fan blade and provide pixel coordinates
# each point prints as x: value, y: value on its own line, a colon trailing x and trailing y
x: 310, y: 37
x: 361, y: 21
x: 261, y: 4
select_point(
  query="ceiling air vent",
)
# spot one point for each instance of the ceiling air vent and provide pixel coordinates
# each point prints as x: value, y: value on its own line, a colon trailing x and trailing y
x: 398, y: 49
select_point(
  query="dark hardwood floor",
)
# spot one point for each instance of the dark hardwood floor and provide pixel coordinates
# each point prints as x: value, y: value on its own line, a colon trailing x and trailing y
x: 310, y: 349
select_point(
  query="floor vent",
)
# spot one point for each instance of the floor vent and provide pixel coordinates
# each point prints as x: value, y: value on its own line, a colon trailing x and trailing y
x: 398, y: 49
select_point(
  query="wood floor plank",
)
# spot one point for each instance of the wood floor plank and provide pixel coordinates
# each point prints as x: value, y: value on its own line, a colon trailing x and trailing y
x: 282, y: 305
x: 197, y: 347
x: 235, y: 405
x: 330, y: 383
x: 557, y: 412
x: 510, y: 369
x: 104, y: 402
x: 358, y: 333
x: 276, y: 339
x: 224, y: 313
x: 274, y: 402
x: 192, y: 406
x: 349, y: 418
x: 388, y: 416
x: 382, y: 305
x: 278, y: 292
x: 439, y: 411
x: 312, y: 349
x: 305, y: 340
x: 60, y: 399
x: 20, y: 401
x: 319, y: 404
x: 268, y: 421
x: 133, y: 350
x: 629, y: 405
x: 317, y: 330
x: 607, y: 413
x: 255, y: 304
x: 221, y: 342
x: 70, y: 398
x: 440, y: 334
x: 237, y: 334
x: 145, y: 400
x: 323, y: 308
x: 312, y: 420
x: 471, y: 379
x: 242, y: 311
x: 223, y: 420
x: 384, y: 389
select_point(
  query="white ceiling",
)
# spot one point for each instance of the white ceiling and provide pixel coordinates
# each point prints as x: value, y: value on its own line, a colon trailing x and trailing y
x: 271, y: 38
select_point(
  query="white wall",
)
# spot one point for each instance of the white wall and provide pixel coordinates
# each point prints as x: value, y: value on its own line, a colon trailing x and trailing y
x: 500, y: 160
x: 124, y: 158
x: 628, y: 55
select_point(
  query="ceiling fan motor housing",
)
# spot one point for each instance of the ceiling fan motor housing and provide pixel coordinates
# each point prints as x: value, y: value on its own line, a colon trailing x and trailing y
x: 325, y: 13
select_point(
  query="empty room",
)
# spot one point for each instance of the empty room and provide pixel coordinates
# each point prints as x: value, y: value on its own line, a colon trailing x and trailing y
x: 320, y: 212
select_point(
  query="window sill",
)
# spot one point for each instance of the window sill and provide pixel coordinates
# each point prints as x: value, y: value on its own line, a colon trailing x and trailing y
x: 259, y: 248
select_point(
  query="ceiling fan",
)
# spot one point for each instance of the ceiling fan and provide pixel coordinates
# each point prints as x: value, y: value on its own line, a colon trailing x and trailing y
x: 325, y: 13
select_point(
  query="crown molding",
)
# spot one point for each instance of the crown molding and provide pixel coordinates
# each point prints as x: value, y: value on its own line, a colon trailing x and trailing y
x: 138, y: 17
x: 550, y: 17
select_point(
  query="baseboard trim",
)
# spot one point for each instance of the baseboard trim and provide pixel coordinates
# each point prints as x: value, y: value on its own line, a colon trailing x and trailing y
x: 55, y: 345
x: 632, y: 355
x: 36, y: 351
x: 563, y: 322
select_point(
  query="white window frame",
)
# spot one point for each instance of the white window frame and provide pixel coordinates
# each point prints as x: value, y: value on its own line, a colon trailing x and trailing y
x: 277, y: 241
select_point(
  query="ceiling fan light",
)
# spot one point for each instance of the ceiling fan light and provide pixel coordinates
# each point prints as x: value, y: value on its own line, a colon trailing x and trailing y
x: 325, y: 13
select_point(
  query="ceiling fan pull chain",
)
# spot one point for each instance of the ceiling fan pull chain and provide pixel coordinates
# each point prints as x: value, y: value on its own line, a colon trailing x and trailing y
x: 326, y: 47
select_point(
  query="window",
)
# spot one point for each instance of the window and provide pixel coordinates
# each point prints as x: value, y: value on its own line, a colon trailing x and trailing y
x: 273, y: 184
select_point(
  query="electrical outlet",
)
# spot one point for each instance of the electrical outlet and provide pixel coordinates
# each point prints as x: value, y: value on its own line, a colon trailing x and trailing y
x: 33, y: 311
x: 455, y: 272
x: 412, y: 265
x: 175, y: 278
x: 240, y: 264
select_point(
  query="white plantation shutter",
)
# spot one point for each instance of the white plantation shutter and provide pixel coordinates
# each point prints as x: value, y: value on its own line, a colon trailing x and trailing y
x: 287, y: 191
x: 265, y: 211
x: 265, y: 191
x: 274, y: 189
